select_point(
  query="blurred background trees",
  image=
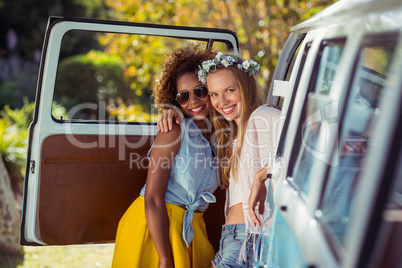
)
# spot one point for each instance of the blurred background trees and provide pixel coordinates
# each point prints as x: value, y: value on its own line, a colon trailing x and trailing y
x: 262, y: 27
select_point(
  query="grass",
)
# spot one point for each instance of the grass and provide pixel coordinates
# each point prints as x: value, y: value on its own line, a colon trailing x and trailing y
x: 68, y: 256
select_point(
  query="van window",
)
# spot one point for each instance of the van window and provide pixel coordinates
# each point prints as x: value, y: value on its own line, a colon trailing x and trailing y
x: 282, y: 140
x: 114, y: 79
x: 309, y: 129
x: 292, y: 64
x: 359, y: 120
x: 331, y: 54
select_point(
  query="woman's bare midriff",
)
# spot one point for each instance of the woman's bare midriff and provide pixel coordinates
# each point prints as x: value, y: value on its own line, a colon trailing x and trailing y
x: 235, y: 215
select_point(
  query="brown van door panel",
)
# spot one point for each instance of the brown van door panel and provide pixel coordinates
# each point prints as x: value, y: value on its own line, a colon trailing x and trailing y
x: 84, y: 192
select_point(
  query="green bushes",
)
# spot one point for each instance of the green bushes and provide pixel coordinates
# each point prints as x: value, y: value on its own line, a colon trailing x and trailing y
x: 14, y: 128
x: 9, y: 94
x: 14, y: 137
x: 97, y: 77
x: 90, y: 78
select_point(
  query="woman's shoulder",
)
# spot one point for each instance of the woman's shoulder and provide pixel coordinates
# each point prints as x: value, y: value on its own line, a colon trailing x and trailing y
x: 265, y: 111
x: 170, y: 137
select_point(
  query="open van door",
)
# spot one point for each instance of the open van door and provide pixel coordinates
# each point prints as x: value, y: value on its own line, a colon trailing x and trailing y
x: 87, y: 162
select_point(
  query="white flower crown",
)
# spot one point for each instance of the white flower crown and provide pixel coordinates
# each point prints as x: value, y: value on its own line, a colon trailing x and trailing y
x: 248, y: 66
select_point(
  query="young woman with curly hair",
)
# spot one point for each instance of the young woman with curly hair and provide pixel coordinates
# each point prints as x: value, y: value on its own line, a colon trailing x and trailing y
x: 164, y: 226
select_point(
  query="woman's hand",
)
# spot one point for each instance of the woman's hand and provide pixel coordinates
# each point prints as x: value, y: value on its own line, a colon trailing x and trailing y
x: 258, y: 194
x: 274, y: 106
x: 167, y: 264
x: 165, y: 122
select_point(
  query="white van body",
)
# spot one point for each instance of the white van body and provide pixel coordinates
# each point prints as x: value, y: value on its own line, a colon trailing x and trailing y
x: 337, y: 179
x: 346, y: 79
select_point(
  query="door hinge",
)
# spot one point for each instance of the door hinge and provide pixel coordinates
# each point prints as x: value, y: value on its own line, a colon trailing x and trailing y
x: 33, y: 166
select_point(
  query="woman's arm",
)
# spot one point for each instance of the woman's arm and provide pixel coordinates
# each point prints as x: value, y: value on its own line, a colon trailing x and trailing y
x: 258, y: 194
x: 162, y: 156
x: 263, y: 138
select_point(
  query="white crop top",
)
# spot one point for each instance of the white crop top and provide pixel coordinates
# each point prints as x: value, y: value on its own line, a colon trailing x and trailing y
x: 235, y: 194
x: 258, y: 149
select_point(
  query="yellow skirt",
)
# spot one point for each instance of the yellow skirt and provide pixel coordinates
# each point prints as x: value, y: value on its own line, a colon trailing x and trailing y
x: 134, y: 246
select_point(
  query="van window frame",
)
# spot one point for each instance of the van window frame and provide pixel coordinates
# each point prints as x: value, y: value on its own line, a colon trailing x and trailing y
x: 282, y: 139
x: 294, y: 157
x: 368, y: 40
x: 208, y: 44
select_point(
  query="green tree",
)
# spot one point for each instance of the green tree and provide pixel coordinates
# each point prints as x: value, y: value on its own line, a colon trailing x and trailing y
x: 79, y: 76
x: 262, y: 25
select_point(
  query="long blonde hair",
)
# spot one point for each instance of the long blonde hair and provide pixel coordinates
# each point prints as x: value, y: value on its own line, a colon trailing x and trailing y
x: 227, y: 131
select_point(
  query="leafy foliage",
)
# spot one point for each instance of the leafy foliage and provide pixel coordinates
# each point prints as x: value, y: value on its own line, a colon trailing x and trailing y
x: 79, y: 76
x: 9, y: 94
x: 14, y: 129
x: 131, y: 113
x: 262, y: 26
x: 14, y: 137
x: 143, y: 56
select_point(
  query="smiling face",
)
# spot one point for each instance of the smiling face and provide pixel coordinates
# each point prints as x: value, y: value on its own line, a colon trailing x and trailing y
x: 225, y: 94
x: 195, y: 108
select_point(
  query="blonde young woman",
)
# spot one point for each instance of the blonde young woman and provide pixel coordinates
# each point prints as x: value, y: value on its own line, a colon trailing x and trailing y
x: 164, y: 226
x: 246, y: 140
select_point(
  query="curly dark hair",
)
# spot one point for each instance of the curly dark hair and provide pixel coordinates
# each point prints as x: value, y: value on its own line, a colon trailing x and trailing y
x: 177, y: 63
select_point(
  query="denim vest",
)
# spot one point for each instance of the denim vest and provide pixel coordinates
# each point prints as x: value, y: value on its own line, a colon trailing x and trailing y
x: 193, y: 177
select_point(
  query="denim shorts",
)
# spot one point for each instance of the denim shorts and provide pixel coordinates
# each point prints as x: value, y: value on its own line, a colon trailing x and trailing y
x: 232, y: 239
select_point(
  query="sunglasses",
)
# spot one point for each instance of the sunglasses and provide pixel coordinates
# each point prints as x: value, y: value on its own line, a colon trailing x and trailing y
x: 183, y: 97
